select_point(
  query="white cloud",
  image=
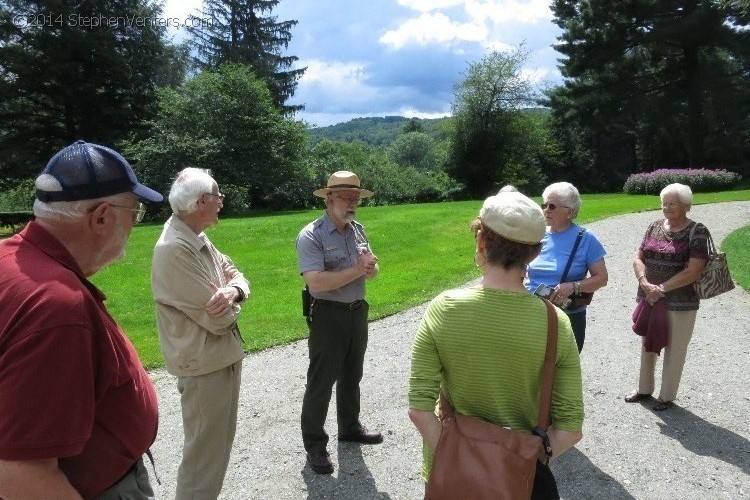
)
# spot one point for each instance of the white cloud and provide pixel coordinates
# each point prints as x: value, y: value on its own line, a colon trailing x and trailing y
x: 432, y: 28
x: 181, y: 9
x: 323, y: 71
x: 410, y: 112
x: 177, y: 13
x: 534, y: 75
x: 498, y: 46
x: 498, y: 11
x: 435, y: 27
x: 428, y: 5
x: 509, y: 11
x: 335, y: 84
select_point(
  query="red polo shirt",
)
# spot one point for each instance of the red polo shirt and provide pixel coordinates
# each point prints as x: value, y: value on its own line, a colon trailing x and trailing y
x: 71, y: 384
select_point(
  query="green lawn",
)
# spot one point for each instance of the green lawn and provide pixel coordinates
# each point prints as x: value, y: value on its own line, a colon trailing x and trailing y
x: 423, y: 249
x: 737, y: 248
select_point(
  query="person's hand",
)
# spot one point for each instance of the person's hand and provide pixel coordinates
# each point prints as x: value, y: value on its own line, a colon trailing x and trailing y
x: 367, y: 262
x: 221, y: 301
x: 653, y: 293
x: 561, y: 292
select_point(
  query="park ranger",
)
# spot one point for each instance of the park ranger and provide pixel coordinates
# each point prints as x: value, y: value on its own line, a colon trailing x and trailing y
x: 335, y: 259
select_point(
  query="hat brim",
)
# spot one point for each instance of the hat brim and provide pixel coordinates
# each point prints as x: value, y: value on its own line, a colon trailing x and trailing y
x: 322, y: 193
x: 147, y: 194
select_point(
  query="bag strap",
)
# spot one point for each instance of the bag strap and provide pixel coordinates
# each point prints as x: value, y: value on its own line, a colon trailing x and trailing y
x: 545, y: 394
x: 446, y: 409
x: 572, y: 254
x: 709, y: 243
x: 550, y: 356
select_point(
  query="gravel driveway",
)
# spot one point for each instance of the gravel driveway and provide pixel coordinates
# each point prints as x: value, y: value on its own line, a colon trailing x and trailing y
x: 698, y: 450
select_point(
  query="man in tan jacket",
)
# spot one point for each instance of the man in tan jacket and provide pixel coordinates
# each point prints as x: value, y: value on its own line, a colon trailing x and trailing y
x: 198, y: 292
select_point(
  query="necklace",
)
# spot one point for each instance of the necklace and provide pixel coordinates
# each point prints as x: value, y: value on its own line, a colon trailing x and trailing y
x: 669, y: 236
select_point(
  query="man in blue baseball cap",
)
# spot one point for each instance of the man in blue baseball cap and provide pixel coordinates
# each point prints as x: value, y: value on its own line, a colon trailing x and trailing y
x: 78, y: 409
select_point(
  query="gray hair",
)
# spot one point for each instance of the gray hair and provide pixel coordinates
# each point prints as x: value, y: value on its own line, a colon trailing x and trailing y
x: 683, y: 192
x: 567, y: 193
x: 189, y: 185
x: 63, y: 210
x: 508, y: 188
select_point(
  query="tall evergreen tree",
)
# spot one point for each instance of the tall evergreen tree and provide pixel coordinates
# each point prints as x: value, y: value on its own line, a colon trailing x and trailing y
x: 82, y: 69
x: 655, y: 82
x: 243, y: 31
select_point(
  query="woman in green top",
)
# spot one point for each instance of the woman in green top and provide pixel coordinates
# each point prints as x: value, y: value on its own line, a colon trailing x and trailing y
x: 485, y: 345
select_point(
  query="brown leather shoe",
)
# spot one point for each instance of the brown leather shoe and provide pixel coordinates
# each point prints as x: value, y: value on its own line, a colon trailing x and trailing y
x: 364, y: 436
x: 320, y: 462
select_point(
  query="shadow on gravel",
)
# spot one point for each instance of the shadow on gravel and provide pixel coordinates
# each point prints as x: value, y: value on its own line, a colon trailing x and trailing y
x: 579, y: 479
x: 352, y: 479
x: 704, y: 438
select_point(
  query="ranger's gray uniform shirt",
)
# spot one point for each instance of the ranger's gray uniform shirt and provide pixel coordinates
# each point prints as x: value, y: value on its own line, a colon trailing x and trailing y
x: 321, y: 247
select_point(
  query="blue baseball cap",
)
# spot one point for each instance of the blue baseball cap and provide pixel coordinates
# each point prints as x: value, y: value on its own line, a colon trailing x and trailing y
x: 87, y: 171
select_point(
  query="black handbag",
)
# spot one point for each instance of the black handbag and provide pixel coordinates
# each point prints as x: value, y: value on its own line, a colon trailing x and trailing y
x: 581, y: 298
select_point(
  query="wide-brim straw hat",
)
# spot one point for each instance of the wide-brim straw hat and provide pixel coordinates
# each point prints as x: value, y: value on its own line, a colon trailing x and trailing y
x: 343, y: 180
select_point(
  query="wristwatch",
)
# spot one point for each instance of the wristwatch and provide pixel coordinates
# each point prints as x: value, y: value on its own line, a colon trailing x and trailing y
x: 240, y: 294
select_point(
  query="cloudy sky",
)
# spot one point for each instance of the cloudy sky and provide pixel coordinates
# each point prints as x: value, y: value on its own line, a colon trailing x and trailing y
x: 401, y: 57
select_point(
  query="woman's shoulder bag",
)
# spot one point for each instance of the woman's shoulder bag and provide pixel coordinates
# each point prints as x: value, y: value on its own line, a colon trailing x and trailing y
x: 715, y: 278
x: 479, y: 460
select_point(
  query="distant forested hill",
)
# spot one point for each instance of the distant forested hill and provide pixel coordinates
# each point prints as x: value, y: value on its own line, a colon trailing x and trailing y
x: 376, y: 131
x: 382, y: 131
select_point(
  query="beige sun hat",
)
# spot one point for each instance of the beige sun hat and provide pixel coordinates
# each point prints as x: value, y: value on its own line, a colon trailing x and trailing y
x: 514, y: 217
x: 343, y: 180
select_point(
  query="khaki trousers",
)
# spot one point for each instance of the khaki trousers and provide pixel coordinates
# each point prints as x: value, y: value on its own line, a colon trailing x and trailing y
x: 681, y: 324
x: 209, y: 417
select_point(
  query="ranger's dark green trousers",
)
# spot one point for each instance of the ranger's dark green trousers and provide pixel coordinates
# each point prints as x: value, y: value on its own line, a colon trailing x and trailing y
x: 337, y: 345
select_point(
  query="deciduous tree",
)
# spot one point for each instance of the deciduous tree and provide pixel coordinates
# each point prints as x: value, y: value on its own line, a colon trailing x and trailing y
x: 488, y: 145
x: 226, y: 121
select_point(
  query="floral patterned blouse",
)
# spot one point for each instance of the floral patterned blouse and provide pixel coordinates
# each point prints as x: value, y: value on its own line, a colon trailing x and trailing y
x: 666, y: 253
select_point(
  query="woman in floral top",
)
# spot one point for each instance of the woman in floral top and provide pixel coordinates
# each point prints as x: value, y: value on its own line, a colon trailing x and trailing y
x: 671, y: 257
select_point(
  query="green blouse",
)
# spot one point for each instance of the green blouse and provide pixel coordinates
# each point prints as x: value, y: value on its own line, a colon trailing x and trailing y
x: 486, y: 347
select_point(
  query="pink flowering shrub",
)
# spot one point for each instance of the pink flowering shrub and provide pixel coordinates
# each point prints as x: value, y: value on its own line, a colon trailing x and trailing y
x: 699, y: 180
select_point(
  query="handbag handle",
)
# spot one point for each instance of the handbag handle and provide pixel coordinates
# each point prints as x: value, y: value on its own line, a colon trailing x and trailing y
x: 710, y: 247
x: 545, y: 394
x: 572, y: 254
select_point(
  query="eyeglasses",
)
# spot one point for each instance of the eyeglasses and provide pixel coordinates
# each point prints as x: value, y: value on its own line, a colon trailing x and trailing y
x: 670, y: 204
x: 552, y: 206
x: 219, y: 196
x: 138, y: 212
x: 349, y: 201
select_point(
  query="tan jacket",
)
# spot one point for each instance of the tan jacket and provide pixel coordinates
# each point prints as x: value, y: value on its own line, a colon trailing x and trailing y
x: 185, y: 265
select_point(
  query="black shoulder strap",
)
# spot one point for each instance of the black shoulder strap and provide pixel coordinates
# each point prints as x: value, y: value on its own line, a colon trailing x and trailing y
x: 572, y: 254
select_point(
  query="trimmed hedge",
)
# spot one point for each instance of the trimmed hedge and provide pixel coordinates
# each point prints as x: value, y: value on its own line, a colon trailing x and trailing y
x: 699, y: 180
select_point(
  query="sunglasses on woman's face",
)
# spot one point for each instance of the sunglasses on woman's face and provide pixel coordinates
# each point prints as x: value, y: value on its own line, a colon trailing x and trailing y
x: 551, y: 206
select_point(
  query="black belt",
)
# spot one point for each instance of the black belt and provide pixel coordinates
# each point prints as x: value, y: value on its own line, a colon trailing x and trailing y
x: 342, y: 305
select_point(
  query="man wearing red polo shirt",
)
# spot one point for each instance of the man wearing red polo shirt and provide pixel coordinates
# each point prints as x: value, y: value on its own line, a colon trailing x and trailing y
x: 78, y: 409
